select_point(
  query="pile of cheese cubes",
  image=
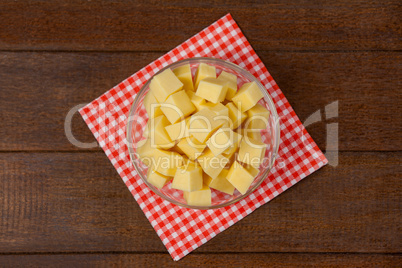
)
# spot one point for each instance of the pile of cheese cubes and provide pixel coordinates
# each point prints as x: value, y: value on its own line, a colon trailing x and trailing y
x: 203, y: 133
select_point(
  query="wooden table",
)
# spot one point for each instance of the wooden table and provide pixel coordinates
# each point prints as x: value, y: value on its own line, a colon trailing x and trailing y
x: 63, y: 205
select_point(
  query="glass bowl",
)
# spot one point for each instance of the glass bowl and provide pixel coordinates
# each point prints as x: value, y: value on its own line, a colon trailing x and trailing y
x: 137, y: 123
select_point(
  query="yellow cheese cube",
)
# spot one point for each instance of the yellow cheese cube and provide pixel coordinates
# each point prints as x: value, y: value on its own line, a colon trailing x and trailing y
x: 144, y: 147
x: 240, y: 130
x: 165, y: 162
x: 204, y: 71
x: 207, y: 179
x: 212, y: 89
x: 177, y: 106
x: 254, y: 134
x: 144, y: 151
x: 221, y: 183
x: 221, y: 140
x: 201, y: 198
x: 156, y: 179
x: 257, y: 117
x: 240, y: 177
x: 177, y: 150
x: 188, y: 162
x: 236, y: 139
x: 217, y: 108
x: 252, y: 170
x: 231, y: 80
x: 221, y: 112
x: 191, y: 147
x: 248, y: 96
x: 158, y: 134
x: 212, y: 165
x: 251, y: 152
x: 179, y: 130
x: 197, y: 101
x: 232, y: 158
x: 152, y: 106
x: 184, y: 75
x: 165, y: 84
x: 235, y: 115
x: 188, y: 178
x: 203, y: 124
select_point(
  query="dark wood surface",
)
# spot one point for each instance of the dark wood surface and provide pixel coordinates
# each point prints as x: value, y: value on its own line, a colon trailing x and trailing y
x: 65, y: 206
x: 205, y: 260
x: 91, y: 210
x: 161, y: 25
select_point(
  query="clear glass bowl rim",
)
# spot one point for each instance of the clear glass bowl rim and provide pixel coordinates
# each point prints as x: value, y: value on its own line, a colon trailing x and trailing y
x: 237, y: 69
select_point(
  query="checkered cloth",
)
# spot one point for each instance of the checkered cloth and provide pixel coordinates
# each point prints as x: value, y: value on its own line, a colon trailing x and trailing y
x: 182, y: 230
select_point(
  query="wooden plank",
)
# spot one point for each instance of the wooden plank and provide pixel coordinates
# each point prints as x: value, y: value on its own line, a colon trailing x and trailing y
x: 205, y: 260
x: 161, y: 25
x: 366, y: 86
x: 38, y: 90
x: 75, y: 202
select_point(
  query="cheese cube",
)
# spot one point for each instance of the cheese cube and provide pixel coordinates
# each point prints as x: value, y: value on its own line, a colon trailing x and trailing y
x: 248, y: 96
x: 201, y: 198
x: 179, y: 130
x: 144, y: 151
x: 177, y: 106
x: 221, y: 140
x: 231, y: 80
x: 177, y: 150
x: 188, y: 162
x: 197, y: 101
x: 251, y: 152
x: 191, y: 147
x: 203, y: 124
x: 240, y: 177
x: 212, y: 165
x: 152, y: 106
x: 184, y: 75
x: 254, y: 134
x: 217, y: 108
x: 156, y: 179
x: 232, y: 158
x: 165, y: 84
x: 144, y: 147
x: 252, y: 170
x: 221, y: 183
x: 212, y: 89
x: 235, y: 115
x: 158, y: 134
x: 188, y: 178
x: 165, y: 162
x: 236, y: 139
x: 257, y: 117
x: 207, y: 179
x: 204, y: 71
x: 221, y: 112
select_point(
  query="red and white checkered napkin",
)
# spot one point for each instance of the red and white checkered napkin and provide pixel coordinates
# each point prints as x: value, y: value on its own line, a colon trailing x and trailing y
x: 180, y: 229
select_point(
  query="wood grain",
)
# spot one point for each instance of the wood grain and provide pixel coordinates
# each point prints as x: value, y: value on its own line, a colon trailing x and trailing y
x: 203, y: 260
x: 75, y: 202
x: 161, y: 25
x: 64, y: 206
x: 38, y: 90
